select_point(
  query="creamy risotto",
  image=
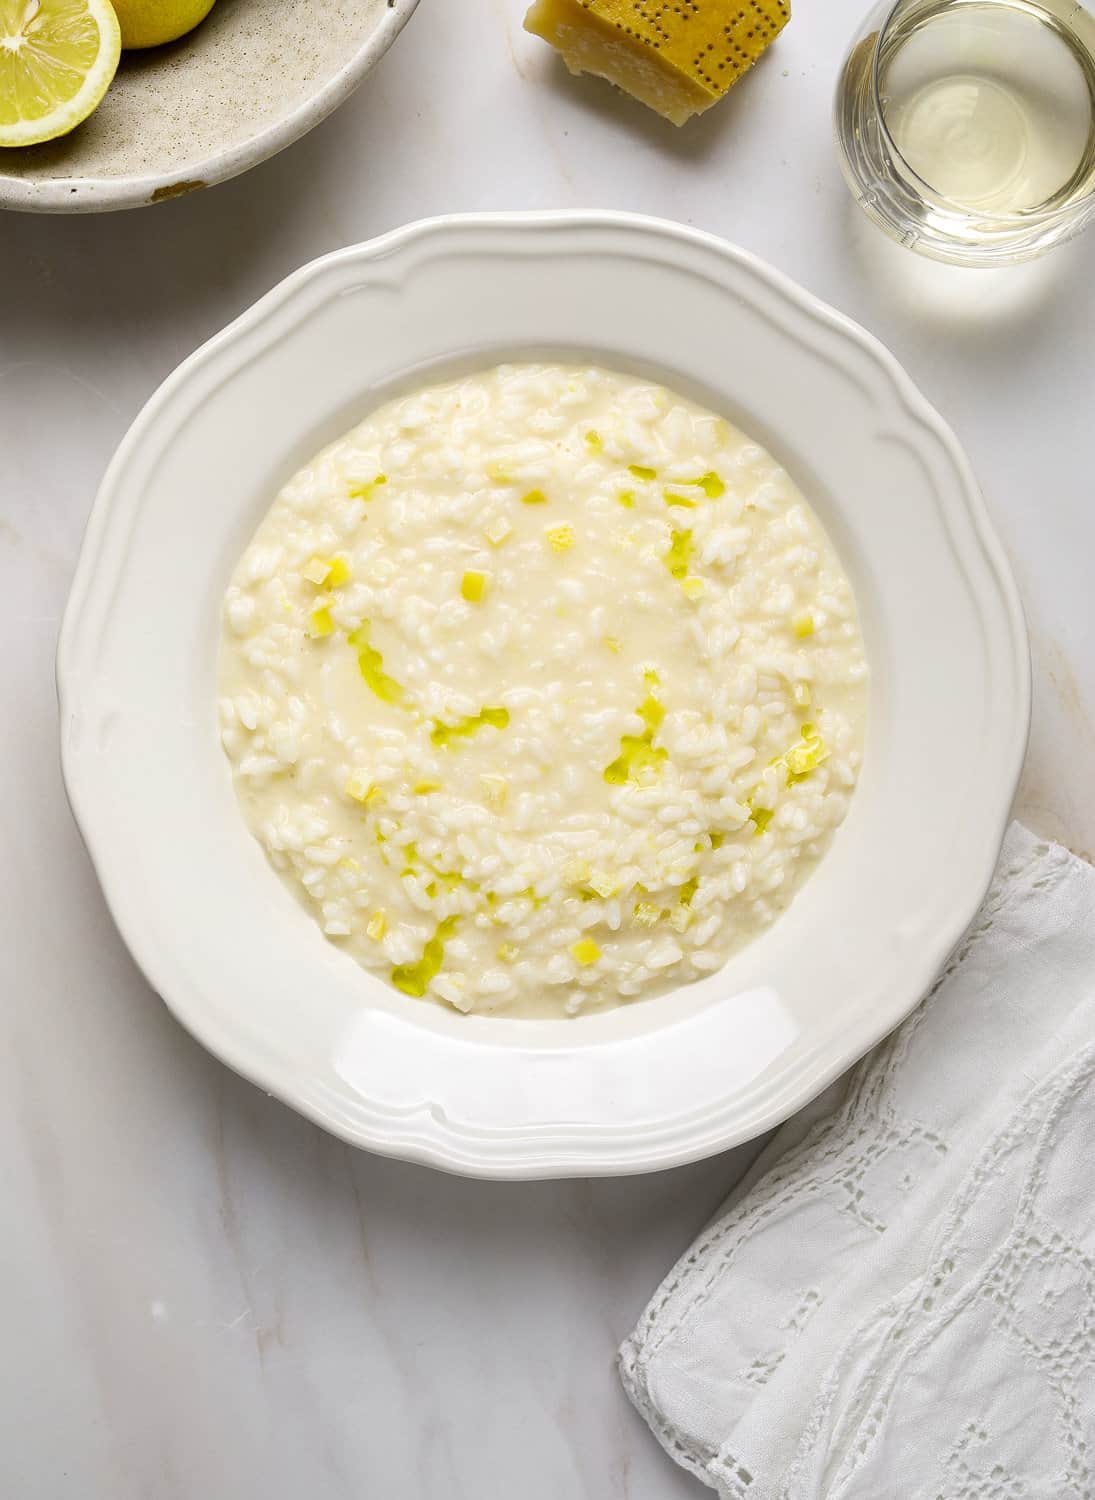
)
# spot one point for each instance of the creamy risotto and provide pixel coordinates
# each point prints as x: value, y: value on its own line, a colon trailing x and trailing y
x: 544, y: 690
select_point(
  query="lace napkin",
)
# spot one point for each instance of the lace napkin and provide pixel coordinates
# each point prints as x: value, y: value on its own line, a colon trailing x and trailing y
x: 898, y: 1303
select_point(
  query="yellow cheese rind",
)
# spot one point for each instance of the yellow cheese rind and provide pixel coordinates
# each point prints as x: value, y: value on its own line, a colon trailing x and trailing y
x: 677, y: 56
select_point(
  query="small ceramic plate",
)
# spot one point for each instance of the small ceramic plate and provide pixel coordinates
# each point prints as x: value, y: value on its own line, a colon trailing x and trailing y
x: 247, y: 970
x: 254, y: 76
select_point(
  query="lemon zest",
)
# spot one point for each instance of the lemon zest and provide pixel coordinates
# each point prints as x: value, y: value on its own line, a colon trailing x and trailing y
x: 560, y: 538
x: 473, y: 587
x: 362, y: 790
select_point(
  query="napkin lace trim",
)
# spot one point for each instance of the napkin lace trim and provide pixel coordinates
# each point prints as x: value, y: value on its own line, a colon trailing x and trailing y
x: 835, y: 1155
x: 1034, y: 1262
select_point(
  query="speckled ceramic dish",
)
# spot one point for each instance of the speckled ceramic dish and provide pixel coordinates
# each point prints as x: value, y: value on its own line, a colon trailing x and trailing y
x: 253, y: 77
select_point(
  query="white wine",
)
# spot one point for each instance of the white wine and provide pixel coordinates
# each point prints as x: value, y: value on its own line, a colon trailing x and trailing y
x: 991, y: 105
x: 966, y: 128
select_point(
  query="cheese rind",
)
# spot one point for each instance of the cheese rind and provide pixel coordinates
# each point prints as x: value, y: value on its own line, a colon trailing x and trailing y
x: 677, y: 56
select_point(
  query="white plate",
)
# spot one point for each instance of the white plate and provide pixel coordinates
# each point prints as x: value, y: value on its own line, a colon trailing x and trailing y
x: 225, y: 944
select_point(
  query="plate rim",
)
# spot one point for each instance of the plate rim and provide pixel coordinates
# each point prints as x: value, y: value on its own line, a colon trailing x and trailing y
x: 75, y: 195
x: 590, y: 1151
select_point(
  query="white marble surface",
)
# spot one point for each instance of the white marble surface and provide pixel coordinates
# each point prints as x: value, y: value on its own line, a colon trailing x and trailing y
x: 203, y: 1296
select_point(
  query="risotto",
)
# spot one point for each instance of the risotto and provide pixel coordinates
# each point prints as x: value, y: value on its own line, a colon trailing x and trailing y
x: 543, y: 689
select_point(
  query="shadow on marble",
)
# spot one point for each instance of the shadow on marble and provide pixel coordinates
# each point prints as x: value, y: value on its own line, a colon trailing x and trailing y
x: 978, y: 308
x: 192, y: 262
x: 701, y: 137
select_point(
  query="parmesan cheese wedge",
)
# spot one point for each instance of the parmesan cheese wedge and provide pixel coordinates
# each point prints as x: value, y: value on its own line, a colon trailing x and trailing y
x: 677, y: 56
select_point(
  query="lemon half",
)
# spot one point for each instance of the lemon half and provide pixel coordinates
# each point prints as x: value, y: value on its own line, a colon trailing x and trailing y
x: 57, y: 58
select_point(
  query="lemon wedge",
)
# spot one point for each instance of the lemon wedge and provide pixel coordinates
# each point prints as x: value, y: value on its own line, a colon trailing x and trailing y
x: 57, y: 58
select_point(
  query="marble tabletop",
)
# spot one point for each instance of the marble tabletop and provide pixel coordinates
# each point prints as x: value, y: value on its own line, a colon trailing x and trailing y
x: 204, y: 1295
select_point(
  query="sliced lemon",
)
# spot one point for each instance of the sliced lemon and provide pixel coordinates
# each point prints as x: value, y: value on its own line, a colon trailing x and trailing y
x: 57, y: 58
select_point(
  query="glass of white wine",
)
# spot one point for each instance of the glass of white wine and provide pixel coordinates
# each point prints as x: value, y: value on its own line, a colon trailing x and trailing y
x: 966, y: 128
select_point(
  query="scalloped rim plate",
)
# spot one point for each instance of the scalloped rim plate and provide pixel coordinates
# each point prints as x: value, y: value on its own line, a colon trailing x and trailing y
x: 247, y: 971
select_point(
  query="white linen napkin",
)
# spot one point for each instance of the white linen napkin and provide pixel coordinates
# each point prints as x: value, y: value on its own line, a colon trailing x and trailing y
x: 898, y: 1302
